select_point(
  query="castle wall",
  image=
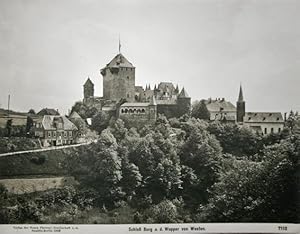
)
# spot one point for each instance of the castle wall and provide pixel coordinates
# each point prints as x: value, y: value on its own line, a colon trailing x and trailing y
x: 182, y: 107
x: 137, y: 116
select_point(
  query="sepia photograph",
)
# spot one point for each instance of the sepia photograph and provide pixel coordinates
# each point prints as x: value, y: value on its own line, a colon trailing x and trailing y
x: 149, y: 113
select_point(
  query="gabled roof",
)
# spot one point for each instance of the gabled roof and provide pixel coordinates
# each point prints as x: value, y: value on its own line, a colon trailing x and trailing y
x: 49, y: 120
x: 164, y: 86
x: 48, y: 111
x: 263, y: 117
x: 219, y: 105
x: 74, y: 115
x: 183, y: 94
x: 88, y: 82
x: 119, y: 61
x: 229, y: 116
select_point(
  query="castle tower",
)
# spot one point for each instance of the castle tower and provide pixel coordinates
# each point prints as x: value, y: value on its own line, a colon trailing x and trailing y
x: 88, y: 89
x: 240, y: 107
x: 119, y: 79
x: 184, y: 103
x: 152, y: 109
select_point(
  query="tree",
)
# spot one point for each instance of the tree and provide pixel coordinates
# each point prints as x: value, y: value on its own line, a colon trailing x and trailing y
x: 31, y: 111
x: 29, y: 124
x: 200, y: 111
x: 118, y: 129
x: 164, y: 212
x: 239, y: 141
x: 9, y: 127
x: 131, y: 177
x: 202, y: 152
x: 262, y: 191
x: 291, y: 121
x: 237, y: 194
x: 100, y: 121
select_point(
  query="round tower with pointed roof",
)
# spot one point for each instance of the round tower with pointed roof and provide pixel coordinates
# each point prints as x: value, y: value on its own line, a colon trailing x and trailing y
x: 119, y: 79
x: 88, y: 89
x: 184, y: 103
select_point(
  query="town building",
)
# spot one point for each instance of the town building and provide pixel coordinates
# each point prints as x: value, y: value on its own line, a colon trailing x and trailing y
x: 221, y: 110
x: 261, y: 122
x: 55, y: 130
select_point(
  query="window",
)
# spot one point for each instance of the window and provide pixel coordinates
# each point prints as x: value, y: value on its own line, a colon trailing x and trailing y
x: 128, y: 95
x: 127, y: 77
x: 65, y: 134
x: 272, y: 130
x: 49, y: 134
x: 54, y: 134
x: 70, y: 134
x: 266, y: 131
x: 279, y: 129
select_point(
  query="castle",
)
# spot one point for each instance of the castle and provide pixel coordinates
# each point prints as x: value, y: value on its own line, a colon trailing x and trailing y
x: 134, y: 104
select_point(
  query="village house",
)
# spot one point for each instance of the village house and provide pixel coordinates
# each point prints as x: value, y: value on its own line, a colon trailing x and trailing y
x: 55, y: 130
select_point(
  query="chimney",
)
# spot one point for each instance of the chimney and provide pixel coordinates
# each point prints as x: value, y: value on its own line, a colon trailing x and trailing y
x: 285, y: 114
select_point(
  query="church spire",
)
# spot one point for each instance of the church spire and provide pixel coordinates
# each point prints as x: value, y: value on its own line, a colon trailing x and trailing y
x: 241, y: 97
x: 240, y: 107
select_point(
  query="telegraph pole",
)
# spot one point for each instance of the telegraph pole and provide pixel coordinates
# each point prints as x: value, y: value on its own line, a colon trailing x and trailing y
x: 8, y: 103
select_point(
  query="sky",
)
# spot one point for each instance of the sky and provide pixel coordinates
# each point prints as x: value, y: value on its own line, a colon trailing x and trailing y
x: 49, y: 48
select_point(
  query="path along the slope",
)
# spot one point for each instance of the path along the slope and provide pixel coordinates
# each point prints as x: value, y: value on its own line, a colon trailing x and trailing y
x: 45, y: 149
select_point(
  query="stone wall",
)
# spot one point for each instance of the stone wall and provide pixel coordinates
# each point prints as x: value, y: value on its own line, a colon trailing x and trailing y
x: 174, y: 110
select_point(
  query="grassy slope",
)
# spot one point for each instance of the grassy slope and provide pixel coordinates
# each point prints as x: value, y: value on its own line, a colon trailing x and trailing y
x: 53, y: 162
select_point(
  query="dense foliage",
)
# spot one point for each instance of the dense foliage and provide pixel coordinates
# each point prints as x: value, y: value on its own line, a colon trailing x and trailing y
x: 177, y: 170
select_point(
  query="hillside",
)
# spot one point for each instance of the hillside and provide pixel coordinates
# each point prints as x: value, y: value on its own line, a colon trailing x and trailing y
x: 3, y: 112
x: 54, y: 163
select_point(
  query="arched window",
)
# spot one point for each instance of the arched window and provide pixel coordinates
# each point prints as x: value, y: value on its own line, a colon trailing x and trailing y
x: 130, y: 111
x: 138, y: 111
x: 134, y: 110
x: 126, y: 111
x: 143, y: 110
